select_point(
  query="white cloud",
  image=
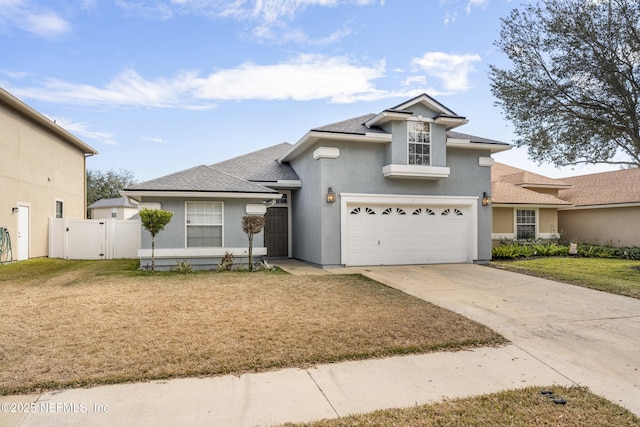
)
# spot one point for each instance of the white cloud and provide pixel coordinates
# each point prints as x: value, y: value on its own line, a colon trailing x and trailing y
x: 281, y: 33
x: 272, y: 11
x: 16, y: 75
x: 153, y: 139
x: 450, y: 18
x: 305, y: 77
x: 82, y: 130
x: 32, y: 18
x: 482, y: 4
x: 415, y: 80
x: 451, y: 69
x: 46, y: 24
x: 269, y: 18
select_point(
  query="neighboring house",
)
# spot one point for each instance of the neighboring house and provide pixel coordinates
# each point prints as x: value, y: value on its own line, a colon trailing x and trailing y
x: 42, y: 175
x: 117, y: 208
x: 525, y: 204
x: 398, y: 187
x: 605, y: 208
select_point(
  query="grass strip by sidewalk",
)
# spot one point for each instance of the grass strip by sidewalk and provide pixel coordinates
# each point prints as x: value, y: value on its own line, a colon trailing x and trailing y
x: 522, y: 407
x: 621, y: 277
x: 80, y: 323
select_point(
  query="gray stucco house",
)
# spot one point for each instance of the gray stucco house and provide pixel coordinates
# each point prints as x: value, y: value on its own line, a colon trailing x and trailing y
x: 398, y: 187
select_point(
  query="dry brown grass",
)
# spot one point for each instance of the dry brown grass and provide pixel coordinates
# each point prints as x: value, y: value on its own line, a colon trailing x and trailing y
x: 523, y: 408
x: 70, y: 324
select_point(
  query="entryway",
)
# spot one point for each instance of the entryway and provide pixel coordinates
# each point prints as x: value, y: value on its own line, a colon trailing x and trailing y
x: 276, y: 232
x: 23, y: 232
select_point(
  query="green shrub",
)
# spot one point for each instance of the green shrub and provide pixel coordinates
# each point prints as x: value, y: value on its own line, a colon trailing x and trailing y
x: 183, y: 267
x: 629, y: 253
x: 596, y: 251
x: 550, y: 249
x: 512, y: 250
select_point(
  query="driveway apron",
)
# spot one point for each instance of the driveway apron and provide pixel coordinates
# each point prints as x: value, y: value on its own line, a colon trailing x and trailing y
x: 590, y: 337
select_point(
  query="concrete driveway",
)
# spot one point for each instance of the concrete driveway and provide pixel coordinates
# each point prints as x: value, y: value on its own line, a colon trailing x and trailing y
x: 592, y: 338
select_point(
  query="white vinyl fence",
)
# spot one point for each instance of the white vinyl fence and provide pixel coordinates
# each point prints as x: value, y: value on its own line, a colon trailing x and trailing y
x: 93, y: 238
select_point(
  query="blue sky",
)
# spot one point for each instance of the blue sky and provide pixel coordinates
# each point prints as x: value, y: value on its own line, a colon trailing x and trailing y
x: 158, y: 86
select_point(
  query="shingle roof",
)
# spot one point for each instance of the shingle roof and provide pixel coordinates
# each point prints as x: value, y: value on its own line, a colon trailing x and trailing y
x: 523, y: 178
x: 118, y: 202
x: 356, y: 126
x: 604, y: 188
x: 472, y: 138
x: 508, y: 187
x: 506, y: 193
x: 201, y: 178
x: 352, y: 126
x: 260, y: 166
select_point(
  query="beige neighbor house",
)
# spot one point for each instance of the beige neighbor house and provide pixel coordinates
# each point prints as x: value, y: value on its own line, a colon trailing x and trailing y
x: 42, y: 175
x: 117, y: 208
x: 605, y: 208
x: 524, y: 204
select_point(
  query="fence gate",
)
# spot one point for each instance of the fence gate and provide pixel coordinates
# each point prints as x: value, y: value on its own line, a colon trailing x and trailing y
x: 93, y: 238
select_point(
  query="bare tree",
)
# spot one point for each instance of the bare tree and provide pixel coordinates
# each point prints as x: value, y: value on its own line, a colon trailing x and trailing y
x: 252, y: 224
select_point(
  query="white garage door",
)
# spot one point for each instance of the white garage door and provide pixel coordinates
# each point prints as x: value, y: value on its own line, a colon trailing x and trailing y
x: 393, y: 233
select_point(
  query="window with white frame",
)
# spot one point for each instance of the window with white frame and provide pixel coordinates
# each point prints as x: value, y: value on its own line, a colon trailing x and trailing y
x: 419, y: 138
x: 204, y: 224
x: 525, y: 224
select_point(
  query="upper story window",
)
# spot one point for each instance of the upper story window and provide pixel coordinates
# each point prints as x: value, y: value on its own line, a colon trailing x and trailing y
x: 419, y: 138
x: 204, y: 224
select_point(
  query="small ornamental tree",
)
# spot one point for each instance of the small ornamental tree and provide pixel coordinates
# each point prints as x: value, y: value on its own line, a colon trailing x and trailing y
x: 252, y: 224
x: 154, y: 220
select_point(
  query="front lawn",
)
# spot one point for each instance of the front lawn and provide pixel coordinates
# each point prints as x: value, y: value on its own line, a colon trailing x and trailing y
x: 524, y: 408
x: 615, y: 276
x: 78, y: 323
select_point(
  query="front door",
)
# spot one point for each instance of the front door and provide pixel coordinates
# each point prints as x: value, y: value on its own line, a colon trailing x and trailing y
x: 23, y: 233
x: 276, y: 232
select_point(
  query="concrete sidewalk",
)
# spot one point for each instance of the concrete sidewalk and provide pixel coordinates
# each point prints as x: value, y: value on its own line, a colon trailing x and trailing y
x: 561, y: 335
x: 290, y: 395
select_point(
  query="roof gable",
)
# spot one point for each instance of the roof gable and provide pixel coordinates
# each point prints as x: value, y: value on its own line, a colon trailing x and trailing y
x: 509, y: 185
x: 428, y: 102
x: 367, y: 128
x: 26, y: 111
x: 506, y: 193
x: 522, y: 178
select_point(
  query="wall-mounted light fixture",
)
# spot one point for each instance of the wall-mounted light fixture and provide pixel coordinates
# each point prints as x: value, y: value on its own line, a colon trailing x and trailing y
x: 486, y: 199
x: 14, y: 210
x: 331, y: 196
